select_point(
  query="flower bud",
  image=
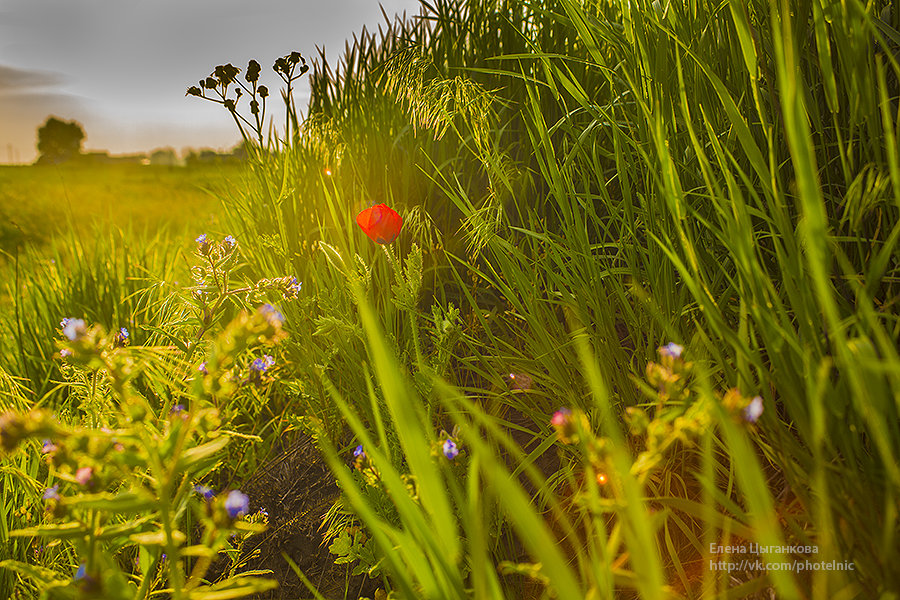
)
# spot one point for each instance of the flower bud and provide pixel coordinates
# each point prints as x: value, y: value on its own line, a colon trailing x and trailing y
x: 253, y: 69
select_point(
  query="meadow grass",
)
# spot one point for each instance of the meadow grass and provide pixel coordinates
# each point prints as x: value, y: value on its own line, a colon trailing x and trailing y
x: 582, y: 183
x: 39, y: 203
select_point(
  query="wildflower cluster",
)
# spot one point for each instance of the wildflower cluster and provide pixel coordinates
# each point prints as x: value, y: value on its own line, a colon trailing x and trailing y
x: 118, y: 481
x: 366, y: 467
x: 93, y: 357
x: 669, y: 375
x: 132, y: 474
x: 743, y: 409
x: 571, y: 427
x: 679, y: 416
x: 213, y: 285
x: 221, y: 373
x: 288, y: 286
x: 89, y: 345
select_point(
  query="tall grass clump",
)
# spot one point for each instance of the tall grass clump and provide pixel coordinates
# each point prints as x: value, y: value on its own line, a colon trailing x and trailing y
x: 746, y: 145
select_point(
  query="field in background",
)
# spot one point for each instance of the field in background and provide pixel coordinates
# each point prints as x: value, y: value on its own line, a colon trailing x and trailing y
x: 40, y: 203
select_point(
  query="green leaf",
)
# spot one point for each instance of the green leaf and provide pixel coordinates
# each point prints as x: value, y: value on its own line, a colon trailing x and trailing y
x: 125, y: 528
x: 119, y: 503
x: 198, y: 550
x: 341, y: 545
x: 64, y: 531
x: 202, y: 452
x: 156, y: 538
x: 40, y: 575
x: 237, y: 587
x: 175, y: 341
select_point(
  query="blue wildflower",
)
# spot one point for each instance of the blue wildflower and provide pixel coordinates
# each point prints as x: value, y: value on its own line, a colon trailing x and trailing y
x: 74, y: 329
x: 271, y: 314
x: 754, y: 410
x: 358, y: 451
x: 672, y: 350
x: 201, y: 239
x: 451, y: 450
x: 121, y: 338
x: 81, y: 572
x: 295, y: 286
x: 230, y: 241
x: 202, y: 368
x: 205, y: 491
x: 261, y: 365
x: 237, y: 504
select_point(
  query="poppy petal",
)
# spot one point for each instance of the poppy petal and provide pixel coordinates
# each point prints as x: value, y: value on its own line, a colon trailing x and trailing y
x: 381, y: 223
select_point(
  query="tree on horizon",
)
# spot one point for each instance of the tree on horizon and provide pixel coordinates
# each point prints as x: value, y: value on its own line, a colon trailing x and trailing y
x: 59, y: 141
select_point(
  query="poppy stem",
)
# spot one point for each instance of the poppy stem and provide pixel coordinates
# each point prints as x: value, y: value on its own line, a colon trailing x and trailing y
x: 391, y: 259
x: 414, y: 326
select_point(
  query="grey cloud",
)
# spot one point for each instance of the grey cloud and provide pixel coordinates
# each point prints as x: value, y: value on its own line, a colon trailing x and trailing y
x: 13, y: 80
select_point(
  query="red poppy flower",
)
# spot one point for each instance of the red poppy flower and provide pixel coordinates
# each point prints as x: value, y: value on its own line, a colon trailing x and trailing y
x: 381, y: 223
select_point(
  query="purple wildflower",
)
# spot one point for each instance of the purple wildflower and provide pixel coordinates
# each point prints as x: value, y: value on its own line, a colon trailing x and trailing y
x: 451, y: 450
x: 294, y: 287
x: 52, y: 493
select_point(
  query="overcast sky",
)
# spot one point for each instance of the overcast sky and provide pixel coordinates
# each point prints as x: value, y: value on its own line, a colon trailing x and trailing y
x: 121, y: 67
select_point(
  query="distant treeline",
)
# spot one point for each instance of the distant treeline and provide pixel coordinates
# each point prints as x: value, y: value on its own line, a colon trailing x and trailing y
x: 60, y: 141
x: 166, y: 157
